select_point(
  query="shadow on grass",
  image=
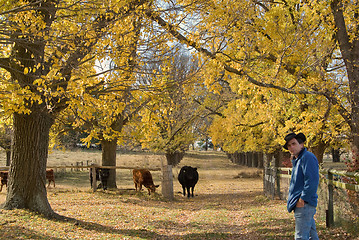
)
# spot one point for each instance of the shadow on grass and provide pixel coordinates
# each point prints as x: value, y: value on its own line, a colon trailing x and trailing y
x: 15, y: 232
x: 266, y: 229
x: 210, y: 201
x: 224, y: 233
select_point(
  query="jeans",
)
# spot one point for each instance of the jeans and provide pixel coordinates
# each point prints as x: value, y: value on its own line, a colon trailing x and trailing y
x: 304, y: 223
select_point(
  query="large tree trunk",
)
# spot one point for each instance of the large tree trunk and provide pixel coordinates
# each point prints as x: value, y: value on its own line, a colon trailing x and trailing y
x: 109, y: 159
x: 27, y: 183
x: 349, y: 49
x: 174, y: 158
x: 319, y: 150
x: 353, y: 165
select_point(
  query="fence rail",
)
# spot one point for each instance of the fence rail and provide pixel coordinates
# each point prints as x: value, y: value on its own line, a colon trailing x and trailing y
x: 6, y: 168
x: 272, y: 185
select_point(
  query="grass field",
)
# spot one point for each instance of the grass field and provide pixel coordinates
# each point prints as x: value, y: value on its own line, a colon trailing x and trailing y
x: 228, y: 204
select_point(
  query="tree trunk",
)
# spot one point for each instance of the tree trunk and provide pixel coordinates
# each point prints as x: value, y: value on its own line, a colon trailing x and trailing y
x: 336, y: 155
x: 27, y: 183
x: 278, y: 156
x: 109, y: 159
x: 319, y: 150
x: 8, y: 157
x: 174, y: 158
x: 353, y: 165
x: 260, y: 160
x: 349, y: 49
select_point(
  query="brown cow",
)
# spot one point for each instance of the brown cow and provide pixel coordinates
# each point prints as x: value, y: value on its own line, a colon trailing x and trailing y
x: 143, y: 177
x: 3, y: 176
x: 50, y: 176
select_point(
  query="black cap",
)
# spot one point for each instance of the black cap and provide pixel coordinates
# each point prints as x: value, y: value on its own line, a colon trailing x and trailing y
x: 290, y: 136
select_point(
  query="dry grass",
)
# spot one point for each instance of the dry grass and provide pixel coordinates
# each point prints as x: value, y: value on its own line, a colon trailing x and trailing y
x: 228, y: 204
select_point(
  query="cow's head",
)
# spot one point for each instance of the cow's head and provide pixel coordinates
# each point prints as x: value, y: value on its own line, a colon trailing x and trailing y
x: 104, y: 173
x: 4, y: 175
x: 152, y: 188
x: 189, y: 172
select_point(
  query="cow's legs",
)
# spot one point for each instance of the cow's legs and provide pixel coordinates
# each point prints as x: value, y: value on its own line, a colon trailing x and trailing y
x: 188, y: 192
x: 184, y: 190
x: 192, y: 191
x: 104, y: 184
x: 136, y: 186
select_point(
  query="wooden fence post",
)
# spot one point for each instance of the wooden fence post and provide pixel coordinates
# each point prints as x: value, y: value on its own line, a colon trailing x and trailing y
x: 330, y: 210
x: 94, y: 180
x: 167, y: 181
x: 269, y: 181
x: 267, y: 175
x: 272, y: 182
x: 266, y: 181
x: 277, y: 179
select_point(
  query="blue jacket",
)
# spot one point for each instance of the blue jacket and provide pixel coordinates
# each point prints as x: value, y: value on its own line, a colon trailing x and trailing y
x: 304, y: 180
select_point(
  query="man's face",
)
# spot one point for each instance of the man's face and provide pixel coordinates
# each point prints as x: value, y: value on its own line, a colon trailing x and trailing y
x: 294, y: 147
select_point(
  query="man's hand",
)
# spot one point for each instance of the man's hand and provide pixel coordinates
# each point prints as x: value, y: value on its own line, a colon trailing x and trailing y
x: 300, y: 203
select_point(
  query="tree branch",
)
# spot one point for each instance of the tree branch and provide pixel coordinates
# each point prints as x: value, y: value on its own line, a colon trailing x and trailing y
x: 5, y: 64
x: 214, y: 112
x: 240, y: 72
x: 251, y: 126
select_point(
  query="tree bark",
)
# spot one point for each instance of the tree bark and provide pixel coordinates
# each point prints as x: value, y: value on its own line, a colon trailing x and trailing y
x: 336, y: 155
x: 27, y: 180
x: 174, y: 158
x: 8, y: 157
x: 350, y: 53
x: 319, y: 150
x: 109, y: 159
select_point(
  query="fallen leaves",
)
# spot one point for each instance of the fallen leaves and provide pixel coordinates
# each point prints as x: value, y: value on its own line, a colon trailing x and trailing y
x: 224, y: 207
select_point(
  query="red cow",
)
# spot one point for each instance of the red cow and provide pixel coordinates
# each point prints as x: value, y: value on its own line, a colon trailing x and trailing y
x: 3, y: 176
x: 50, y: 176
x: 144, y: 177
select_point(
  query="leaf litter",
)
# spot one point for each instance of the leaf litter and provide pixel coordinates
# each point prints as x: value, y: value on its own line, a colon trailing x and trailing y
x: 225, y: 206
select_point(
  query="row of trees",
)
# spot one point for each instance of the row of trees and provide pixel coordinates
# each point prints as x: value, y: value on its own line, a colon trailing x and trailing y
x: 102, y: 68
x: 293, y: 67
x: 252, y: 72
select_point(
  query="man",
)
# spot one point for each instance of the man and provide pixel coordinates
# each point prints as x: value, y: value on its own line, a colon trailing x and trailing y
x: 302, y: 196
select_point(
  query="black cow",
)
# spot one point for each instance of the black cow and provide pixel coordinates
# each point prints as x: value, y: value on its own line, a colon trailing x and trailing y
x: 188, y: 177
x: 102, y: 175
